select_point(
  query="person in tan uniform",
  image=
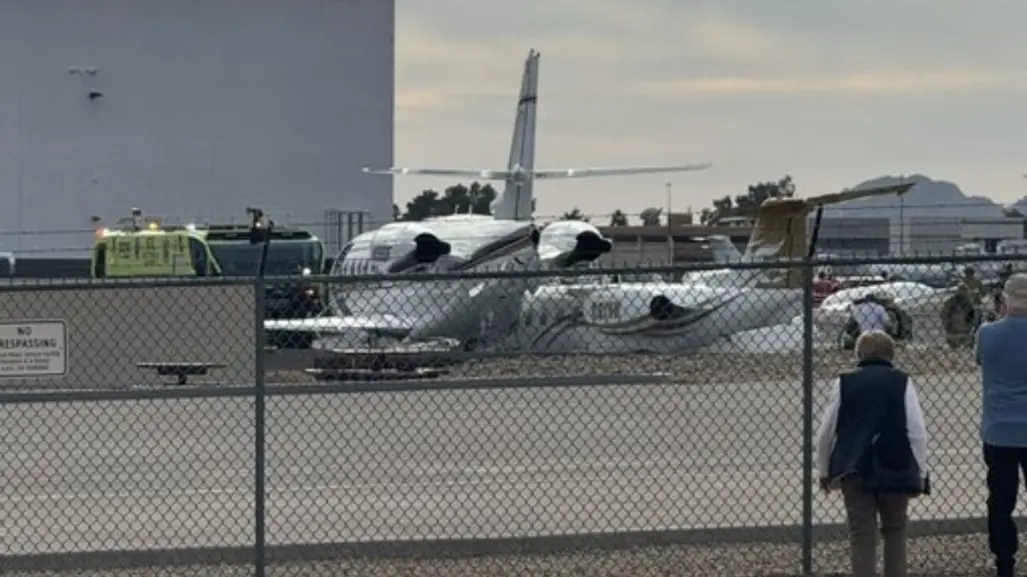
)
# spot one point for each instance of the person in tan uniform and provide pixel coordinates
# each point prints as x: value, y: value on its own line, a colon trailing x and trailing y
x: 961, y: 313
x: 973, y: 283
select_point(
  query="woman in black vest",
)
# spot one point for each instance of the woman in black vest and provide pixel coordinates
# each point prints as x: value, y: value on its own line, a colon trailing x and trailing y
x: 873, y: 446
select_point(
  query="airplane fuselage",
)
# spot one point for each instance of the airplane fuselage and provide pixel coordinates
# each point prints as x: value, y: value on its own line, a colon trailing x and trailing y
x: 646, y: 317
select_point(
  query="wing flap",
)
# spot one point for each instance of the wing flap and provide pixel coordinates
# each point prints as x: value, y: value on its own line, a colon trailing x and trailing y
x: 329, y: 325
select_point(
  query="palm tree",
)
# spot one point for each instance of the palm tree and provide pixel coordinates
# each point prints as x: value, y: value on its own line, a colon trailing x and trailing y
x: 575, y: 214
x: 651, y: 216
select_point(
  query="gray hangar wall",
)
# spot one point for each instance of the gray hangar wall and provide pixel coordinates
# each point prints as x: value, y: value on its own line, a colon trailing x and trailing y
x: 190, y: 110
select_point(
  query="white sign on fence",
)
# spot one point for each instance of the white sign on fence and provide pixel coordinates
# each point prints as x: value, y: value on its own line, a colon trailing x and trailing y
x: 33, y: 348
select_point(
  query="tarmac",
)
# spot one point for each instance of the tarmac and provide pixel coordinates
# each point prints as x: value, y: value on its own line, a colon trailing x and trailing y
x: 488, y: 463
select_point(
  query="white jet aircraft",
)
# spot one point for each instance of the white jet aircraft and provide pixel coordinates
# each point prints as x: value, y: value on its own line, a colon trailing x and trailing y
x: 467, y: 311
x: 676, y: 317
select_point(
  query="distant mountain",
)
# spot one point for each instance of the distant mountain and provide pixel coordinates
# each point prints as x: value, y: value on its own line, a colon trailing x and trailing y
x: 929, y: 198
x: 1020, y: 207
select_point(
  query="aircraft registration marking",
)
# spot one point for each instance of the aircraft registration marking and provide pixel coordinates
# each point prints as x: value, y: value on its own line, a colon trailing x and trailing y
x: 604, y: 311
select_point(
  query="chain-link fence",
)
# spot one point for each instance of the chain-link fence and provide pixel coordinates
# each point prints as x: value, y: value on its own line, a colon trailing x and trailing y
x: 506, y: 423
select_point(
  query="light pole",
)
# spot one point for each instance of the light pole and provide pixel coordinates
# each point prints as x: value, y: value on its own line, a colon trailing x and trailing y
x: 902, y: 225
x: 670, y: 231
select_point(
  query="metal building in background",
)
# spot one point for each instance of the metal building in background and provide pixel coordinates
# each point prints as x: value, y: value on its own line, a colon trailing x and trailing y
x: 856, y: 236
x: 190, y: 111
x: 341, y: 226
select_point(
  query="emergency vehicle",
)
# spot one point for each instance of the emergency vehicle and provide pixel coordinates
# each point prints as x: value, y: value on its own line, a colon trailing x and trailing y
x: 151, y: 249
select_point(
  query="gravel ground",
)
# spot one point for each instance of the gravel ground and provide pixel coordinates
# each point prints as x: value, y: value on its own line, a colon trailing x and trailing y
x: 955, y: 556
x: 689, y: 369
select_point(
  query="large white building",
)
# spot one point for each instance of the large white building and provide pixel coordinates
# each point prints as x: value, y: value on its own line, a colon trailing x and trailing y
x: 191, y: 110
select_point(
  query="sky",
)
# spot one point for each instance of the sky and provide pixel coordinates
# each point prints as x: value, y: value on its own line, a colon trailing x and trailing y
x: 830, y: 93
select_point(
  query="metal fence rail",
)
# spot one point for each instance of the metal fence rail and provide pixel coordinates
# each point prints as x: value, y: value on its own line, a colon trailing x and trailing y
x: 637, y: 449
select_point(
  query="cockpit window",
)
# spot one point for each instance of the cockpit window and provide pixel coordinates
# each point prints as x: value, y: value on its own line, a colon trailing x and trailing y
x: 381, y: 252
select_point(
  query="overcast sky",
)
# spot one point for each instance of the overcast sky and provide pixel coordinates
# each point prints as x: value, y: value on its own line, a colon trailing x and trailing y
x: 832, y: 93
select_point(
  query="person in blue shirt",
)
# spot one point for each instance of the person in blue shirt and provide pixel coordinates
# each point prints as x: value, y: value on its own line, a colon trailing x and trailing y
x: 1000, y: 354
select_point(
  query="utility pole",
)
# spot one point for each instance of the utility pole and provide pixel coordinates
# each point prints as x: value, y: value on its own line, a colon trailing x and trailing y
x: 902, y: 225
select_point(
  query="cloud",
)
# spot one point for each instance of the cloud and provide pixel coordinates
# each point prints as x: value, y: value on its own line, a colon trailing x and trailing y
x: 722, y: 39
x: 662, y: 49
x: 888, y: 82
x: 934, y: 84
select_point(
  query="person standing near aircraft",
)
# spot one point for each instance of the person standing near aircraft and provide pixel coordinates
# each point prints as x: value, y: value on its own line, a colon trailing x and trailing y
x: 823, y: 287
x: 961, y: 313
x: 1004, y: 418
x: 872, y: 444
x: 867, y: 313
x: 870, y: 314
x: 973, y: 284
x: 1003, y: 277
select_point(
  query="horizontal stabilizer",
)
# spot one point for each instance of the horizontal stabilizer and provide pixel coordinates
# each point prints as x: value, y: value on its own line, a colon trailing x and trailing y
x: 470, y: 173
x: 813, y: 202
x: 489, y: 174
x: 587, y: 172
x: 847, y: 195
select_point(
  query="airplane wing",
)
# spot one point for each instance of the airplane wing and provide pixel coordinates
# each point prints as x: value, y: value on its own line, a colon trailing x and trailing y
x: 586, y: 172
x: 328, y: 325
x: 847, y: 195
x: 479, y: 173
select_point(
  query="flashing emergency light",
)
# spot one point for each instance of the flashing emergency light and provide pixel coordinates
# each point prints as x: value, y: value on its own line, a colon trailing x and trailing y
x: 153, y: 226
x: 190, y: 227
x: 259, y: 231
x: 101, y: 232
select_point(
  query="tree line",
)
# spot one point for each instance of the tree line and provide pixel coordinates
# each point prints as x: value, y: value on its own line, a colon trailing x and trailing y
x: 475, y: 198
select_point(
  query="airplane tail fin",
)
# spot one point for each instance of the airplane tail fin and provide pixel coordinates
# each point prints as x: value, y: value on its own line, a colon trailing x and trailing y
x: 780, y: 229
x: 516, y: 200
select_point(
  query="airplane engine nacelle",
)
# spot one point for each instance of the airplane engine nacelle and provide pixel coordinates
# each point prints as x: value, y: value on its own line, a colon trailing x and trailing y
x: 567, y: 243
x: 662, y: 309
x: 428, y: 248
x: 588, y: 247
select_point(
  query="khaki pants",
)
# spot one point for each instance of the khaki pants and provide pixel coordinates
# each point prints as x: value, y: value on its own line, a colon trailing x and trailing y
x: 862, y: 510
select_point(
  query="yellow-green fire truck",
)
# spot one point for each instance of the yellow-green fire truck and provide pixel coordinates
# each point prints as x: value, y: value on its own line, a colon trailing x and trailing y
x: 153, y: 250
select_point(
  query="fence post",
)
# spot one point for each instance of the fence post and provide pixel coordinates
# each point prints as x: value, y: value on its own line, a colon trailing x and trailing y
x: 807, y: 417
x: 259, y: 424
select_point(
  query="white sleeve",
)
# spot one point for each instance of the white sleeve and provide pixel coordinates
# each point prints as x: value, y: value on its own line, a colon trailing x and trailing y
x: 826, y: 434
x: 916, y: 427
